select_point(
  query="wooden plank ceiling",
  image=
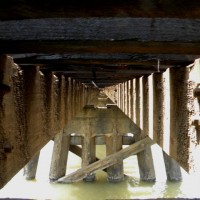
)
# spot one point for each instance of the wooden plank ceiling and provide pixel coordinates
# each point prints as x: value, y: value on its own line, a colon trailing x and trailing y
x: 101, y: 42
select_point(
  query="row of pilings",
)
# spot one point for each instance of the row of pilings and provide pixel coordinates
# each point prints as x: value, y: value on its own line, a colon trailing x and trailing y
x: 166, y: 106
x: 35, y: 105
x: 102, y: 124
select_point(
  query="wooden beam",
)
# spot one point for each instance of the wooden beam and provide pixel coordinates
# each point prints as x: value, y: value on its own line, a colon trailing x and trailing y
x: 21, y: 46
x: 100, y: 140
x: 23, y: 9
x: 102, y: 29
x: 102, y: 35
x: 108, y: 161
x: 86, y: 59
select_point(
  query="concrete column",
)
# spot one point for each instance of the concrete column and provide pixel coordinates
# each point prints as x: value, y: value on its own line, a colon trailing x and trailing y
x: 115, y: 172
x: 173, y: 170
x: 31, y: 167
x: 59, y: 156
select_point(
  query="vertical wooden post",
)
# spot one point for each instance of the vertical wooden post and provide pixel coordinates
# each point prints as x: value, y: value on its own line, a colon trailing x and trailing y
x: 59, y: 156
x: 173, y: 170
x: 134, y: 100
x: 126, y: 98
x: 131, y: 100
x: 179, y: 116
x: 160, y: 125
x: 145, y: 102
x: 145, y: 159
x: 114, y: 144
x: 30, y: 168
x: 121, y: 96
x: 88, y: 152
x: 158, y: 91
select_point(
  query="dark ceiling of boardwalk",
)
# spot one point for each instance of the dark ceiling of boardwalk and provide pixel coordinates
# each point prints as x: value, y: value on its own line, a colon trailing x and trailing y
x: 101, y: 42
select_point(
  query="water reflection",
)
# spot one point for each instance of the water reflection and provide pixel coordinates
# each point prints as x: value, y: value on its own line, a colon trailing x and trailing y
x: 131, y: 188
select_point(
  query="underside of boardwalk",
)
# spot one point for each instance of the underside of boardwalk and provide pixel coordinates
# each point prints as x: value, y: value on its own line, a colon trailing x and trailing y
x: 105, y: 73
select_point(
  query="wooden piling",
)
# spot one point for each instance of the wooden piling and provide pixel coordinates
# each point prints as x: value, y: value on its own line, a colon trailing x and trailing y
x: 59, y: 156
x: 113, y: 145
x: 145, y: 159
x: 88, y: 153
x: 173, y: 170
x: 30, y: 168
x: 108, y: 161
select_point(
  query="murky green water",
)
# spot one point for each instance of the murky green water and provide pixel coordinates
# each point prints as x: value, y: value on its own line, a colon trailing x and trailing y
x: 131, y: 188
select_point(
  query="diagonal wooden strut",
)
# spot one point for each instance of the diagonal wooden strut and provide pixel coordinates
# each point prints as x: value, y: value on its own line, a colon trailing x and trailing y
x: 108, y: 161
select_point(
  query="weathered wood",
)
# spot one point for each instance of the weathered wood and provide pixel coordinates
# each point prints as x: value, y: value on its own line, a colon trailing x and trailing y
x: 145, y: 159
x: 113, y: 145
x: 158, y: 106
x: 29, y: 115
x: 98, y: 29
x: 118, y: 60
x: 100, y: 140
x: 59, y: 156
x: 77, y: 8
x: 78, y: 151
x: 179, y: 116
x: 62, y: 97
x: 15, y: 119
x: 173, y: 170
x: 117, y: 46
x: 166, y: 111
x: 108, y: 161
x: 184, y: 107
x: 30, y: 168
x: 145, y: 105
x: 88, y: 151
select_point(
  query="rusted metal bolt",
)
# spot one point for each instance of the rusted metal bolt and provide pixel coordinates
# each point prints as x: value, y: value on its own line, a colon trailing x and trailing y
x: 196, y: 122
x: 197, y: 92
x: 7, y: 147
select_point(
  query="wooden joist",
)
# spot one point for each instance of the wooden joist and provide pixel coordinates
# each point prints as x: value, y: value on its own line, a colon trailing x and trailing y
x: 108, y: 161
x: 104, y: 61
x: 88, y: 8
x: 102, y: 35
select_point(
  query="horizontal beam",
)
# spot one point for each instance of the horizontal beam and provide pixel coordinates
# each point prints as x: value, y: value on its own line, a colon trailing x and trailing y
x: 100, y: 140
x: 102, y: 59
x: 98, y: 68
x: 8, y: 47
x: 23, y: 9
x: 102, y: 29
x: 102, y: 75
x: 101, y: 35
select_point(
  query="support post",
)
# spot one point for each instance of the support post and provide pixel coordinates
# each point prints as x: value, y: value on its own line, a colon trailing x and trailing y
x: 106, y: 162
x: 173, y: 170
x: 88, y: 154
x: 145, y: 159
x: 31, y: 167
x: 113, y: 145
x: 59, y: 156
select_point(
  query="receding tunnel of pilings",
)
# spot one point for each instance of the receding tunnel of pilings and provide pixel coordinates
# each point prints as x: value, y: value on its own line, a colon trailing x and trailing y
x: 161, y: 108
x: 102, y: 123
